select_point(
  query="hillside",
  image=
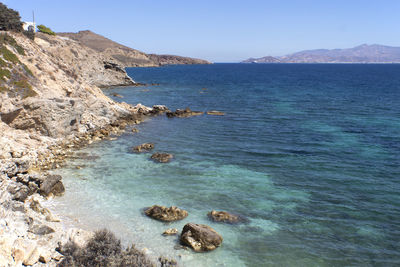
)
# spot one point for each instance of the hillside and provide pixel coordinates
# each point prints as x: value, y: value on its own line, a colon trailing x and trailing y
x: 359, y: 54
x: 128, y: 57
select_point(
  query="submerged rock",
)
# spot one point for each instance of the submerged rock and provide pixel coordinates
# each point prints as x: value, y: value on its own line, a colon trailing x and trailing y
x: 225, y: 217
x: 215, y: 113
x: 135, y: 130
x: 200, y: 237
x: 146, y: 147
x: 183, y: 113
x: 171, y: 231
x: 165, y: 214
x: 117, y: 95
x: 162, y: 157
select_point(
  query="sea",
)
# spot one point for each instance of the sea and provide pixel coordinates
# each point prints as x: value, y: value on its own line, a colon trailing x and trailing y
x: 308, y: 153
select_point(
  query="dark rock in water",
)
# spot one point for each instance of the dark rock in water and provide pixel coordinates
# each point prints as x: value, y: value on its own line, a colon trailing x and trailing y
x: 52, y: 185
x: 146, y: 147
x: 117, y: 95
x: 41, y: 229
x: 200, y: 237
x: 226, y: 217
x: 171, y: 231
x: 183, y: 113
x: 215, y: 113
x: 162, y: 157
x: 165, y: 214
x: 165, y: 262
x: 135, y: 130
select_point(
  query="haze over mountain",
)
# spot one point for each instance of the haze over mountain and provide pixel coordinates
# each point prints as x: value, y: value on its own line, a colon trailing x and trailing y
x: 360, y: 54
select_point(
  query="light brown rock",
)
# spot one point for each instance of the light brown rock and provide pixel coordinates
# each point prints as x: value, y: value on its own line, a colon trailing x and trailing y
x: 200, y: 237
x: 165, y: 214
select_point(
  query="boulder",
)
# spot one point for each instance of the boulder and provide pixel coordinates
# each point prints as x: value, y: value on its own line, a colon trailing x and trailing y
x: 215, y: 113
x: 135, y: 130
x: 165, y: 214
x: 162, y: 157
x: 200, y: 237
x: 146, y: 147
x: 52, y: 185
x: 183, y: 113
x: 159, y: 109
x: 41, y: 229
x: 225, y: 217
x: 171, y: 231
x: 117, y: 95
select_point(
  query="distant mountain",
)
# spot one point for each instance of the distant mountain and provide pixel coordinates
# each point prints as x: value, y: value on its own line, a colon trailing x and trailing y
x: 128, y: 57
x: 359, y: 54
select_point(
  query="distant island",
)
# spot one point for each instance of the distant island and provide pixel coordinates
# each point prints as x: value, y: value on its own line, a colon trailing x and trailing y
x: 360, y: 54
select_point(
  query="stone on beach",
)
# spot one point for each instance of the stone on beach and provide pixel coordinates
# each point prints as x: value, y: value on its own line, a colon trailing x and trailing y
x: 162, y: 157
x: 165, y: 214
x: 52, y: 185
x: 200, y: 237
x: 146, y: 147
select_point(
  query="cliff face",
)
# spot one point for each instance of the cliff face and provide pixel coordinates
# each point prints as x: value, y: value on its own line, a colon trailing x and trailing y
x: 127, y: 57
x: 49, y: 102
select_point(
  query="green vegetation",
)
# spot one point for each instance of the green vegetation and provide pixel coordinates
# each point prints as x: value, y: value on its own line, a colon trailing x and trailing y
x: 4, y: 73
x: 24, y: 89
x: 27, y: 70
x: 8, y: 55
x: 3, y: 63
x: 45, y: 29
x: 10, y: 19
x: 7, y: 39
x: 102, y: 250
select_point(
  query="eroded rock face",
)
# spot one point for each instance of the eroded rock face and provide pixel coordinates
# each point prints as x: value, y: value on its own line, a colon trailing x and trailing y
x: 146, y: 147
x: 162, y: 157
x: 200, y: 237
x: 165, y: 214
x: 52, y: 185
x: 225, y: 217
x: 183, y: 113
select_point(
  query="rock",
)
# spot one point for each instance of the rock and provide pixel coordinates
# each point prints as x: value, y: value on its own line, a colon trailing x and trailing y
x: 183, y: 113
x: 215, y: 113
x: 135, y: 130
x: 171, y: 231
x: 20, y: 192
x: 165, y: 214
x: 146, y: 147
x: 165, y: 262
x: 41, y: 229
x: 162, y: 157
x: 223, y: 216
x: 117, y: 95
x: 159, y: 109
x: 52, y: 185
x: 79, y: 236
x: 25, y: 251
x: 200, y: 237
x: 32, y: 258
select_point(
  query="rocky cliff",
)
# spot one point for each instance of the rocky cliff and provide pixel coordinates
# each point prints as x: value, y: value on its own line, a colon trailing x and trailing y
x: 127, y: 57
x: 50, y: 102
x: 359, y: 54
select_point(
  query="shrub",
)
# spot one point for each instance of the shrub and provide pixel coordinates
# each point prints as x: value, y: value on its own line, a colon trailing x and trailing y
x: 10, y: 19
x: 102, y: 250
x: 45, y: 30
x: 8, y: 55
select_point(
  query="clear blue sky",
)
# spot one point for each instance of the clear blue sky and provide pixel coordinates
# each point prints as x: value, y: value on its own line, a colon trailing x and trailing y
x: 221, y: 30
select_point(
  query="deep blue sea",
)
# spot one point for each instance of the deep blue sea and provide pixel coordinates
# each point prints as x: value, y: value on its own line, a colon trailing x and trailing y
x: 309, y: 153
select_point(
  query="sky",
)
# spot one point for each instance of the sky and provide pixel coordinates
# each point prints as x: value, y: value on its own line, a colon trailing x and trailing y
x: 221, y: 30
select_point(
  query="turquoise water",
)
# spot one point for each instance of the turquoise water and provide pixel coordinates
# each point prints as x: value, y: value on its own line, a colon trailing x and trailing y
x: 310, y: 154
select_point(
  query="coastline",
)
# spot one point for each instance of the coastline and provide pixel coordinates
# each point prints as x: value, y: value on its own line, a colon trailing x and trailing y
x: 67, y: 111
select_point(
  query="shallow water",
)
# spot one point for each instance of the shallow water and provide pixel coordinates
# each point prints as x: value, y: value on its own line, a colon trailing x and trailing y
x: 310, y: 154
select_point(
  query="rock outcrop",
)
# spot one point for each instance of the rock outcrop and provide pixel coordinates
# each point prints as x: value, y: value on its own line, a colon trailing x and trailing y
x: 183, y: 113
x: 200, y: 237
x: 225, y: 217
x: 165, y: 214
x: 162, y: 157
x: 146, y: 147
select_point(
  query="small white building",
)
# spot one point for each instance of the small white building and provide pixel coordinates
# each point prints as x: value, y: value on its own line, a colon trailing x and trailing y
x: 29, y: 26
